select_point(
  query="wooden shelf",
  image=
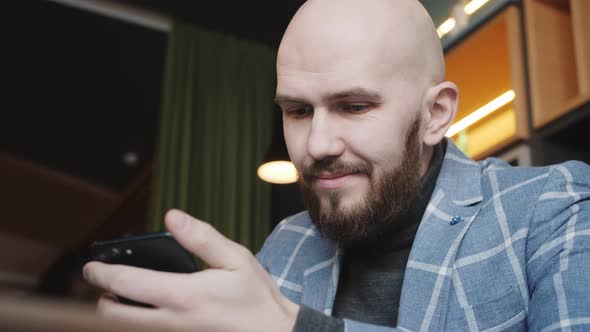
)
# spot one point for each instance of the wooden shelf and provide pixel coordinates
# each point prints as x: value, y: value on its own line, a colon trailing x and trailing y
x: 566, y: 138
x: 579, y: 112
x: 486, y: 64
x: 519, y: 155
x: 581, y: 27
x: 480, y: 18
x: 559, y: 57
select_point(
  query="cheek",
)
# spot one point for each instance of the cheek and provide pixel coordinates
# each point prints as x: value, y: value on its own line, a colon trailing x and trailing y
x: 296, y: 143
x: 378, y: 142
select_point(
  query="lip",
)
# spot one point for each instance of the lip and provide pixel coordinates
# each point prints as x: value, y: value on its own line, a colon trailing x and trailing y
x: 333, y: 181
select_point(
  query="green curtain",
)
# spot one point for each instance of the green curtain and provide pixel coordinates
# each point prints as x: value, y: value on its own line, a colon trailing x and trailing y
x: 215, y: 128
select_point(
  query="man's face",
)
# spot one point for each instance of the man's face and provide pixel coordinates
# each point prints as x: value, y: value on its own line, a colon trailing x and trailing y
x: 353, y: 132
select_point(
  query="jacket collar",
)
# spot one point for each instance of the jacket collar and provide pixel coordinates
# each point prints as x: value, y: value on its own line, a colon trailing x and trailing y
x: 457, y: 193
x: 450, y: 212
x: 460, y: 177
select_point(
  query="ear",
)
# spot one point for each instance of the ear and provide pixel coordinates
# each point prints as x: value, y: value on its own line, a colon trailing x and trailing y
x: 441, y: 102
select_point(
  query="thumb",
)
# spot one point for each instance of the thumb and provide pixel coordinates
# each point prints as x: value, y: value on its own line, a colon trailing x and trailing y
x: 202, y: 240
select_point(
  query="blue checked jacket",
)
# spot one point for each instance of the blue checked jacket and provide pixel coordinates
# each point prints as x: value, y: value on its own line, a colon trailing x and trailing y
x: 518, y: 259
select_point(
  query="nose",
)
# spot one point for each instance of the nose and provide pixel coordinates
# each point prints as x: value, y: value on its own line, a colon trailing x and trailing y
x: 325, y: 139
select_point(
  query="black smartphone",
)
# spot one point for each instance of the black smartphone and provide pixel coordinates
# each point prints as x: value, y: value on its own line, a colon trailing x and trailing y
x: 155, y: 251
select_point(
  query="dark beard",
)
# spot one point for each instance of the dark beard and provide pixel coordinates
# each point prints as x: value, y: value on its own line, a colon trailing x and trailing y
x: 385, y: 201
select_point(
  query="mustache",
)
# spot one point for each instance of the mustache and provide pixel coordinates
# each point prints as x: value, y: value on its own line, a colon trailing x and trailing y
x: 335, y: 165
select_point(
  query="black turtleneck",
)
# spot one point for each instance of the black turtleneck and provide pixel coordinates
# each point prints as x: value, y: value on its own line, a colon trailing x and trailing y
x: 372, y: 273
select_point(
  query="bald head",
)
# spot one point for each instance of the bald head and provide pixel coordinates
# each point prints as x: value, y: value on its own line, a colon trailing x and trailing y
x: 361, y: 87
x: 397, y: 36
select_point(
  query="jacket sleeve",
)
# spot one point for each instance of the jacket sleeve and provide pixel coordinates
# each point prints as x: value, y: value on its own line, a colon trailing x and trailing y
x: 313, y: 320
x: 558, y: 252
x: 355, y: 326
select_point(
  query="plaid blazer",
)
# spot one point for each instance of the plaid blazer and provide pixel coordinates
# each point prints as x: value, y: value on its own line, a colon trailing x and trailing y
x: 517, y: 258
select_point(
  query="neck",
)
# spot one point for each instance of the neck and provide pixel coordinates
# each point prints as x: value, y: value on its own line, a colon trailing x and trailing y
x: 426, y: 160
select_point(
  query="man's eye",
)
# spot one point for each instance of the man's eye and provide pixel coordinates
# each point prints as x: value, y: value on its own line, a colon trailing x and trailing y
x: 300, y: 111
x: 355, y: 108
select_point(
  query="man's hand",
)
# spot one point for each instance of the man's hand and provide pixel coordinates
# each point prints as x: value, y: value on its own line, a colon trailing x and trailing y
x: 234, y: 294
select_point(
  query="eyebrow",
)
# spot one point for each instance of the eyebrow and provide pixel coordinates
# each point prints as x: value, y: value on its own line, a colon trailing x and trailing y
x: 280, y: 99
x: 354, y: 92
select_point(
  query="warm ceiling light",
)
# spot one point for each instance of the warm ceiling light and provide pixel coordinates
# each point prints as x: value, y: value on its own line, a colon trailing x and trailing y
x: 450, y: 23
x: 447, y: 26
x: 278, y: 172
x: 490, y: 107
x: 474, y: 5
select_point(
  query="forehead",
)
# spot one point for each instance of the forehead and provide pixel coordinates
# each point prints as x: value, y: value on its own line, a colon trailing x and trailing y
x: 313, y: 80
x: 324, y: 64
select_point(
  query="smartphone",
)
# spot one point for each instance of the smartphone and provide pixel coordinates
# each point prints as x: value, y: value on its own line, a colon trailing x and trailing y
x: 155, y: 251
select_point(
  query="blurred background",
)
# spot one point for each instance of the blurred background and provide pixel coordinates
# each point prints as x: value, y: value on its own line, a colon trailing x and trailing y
x: 115, y: 111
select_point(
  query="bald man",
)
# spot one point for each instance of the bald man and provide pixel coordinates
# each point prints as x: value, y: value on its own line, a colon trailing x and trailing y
x: 402, y: 231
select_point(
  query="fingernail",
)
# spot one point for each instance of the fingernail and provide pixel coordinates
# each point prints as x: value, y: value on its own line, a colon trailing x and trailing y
x: 85, y: 273
x: 179, y: 221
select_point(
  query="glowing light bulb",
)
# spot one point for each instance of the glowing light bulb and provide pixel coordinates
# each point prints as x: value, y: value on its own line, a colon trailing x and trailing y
x: 482, y: 112
x: 278, y: 172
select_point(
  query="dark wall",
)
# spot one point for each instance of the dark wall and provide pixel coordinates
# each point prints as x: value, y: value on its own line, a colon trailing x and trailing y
x: 80, y: 90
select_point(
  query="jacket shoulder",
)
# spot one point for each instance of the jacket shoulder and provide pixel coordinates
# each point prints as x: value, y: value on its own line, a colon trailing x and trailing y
x: 284, y: 238
x: 537, y: 178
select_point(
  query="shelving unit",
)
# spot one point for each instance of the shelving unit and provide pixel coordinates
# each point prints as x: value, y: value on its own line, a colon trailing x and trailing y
x: 559, y: 57
x: 486, y: 64
x: 541, y: 50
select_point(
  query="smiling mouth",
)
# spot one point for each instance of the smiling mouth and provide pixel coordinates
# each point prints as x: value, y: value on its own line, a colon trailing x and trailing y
x: 331, y: 176
x: 333, y: 181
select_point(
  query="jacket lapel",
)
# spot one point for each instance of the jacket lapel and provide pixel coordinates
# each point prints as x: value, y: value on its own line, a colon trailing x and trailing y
x: 452, y: 208
x: 320, y: 280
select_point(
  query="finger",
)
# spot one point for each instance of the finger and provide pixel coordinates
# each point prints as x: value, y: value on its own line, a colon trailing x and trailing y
x: 162, y: 289
x: 203, y: 240
x: 112, y: 309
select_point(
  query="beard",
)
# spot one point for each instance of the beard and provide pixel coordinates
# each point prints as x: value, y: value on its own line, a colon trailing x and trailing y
x: 389, y: 196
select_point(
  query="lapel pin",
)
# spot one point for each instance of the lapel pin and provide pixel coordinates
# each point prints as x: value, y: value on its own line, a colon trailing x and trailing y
x: 455, y: 220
